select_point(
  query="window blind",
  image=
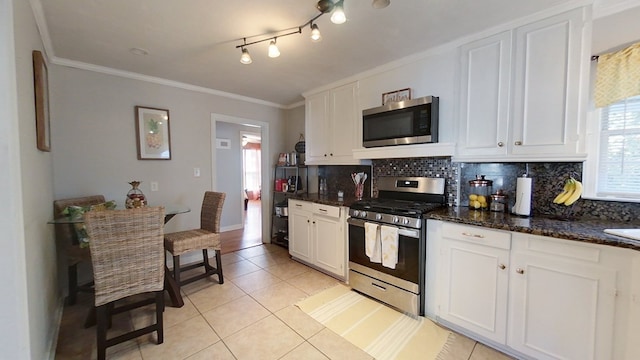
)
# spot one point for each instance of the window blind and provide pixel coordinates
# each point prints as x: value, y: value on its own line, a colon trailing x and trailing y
x: 619, y: 155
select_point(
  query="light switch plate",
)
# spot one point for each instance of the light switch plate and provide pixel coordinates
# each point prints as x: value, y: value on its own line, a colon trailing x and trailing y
x: 154, y: 186
x: 196, y: 172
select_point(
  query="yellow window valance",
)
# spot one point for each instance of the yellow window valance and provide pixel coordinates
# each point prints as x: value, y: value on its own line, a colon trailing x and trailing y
x: 618, y: 76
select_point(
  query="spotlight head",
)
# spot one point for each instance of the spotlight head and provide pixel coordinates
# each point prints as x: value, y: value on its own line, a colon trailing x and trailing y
x: 245, y: 58
x: 380, y: 4
x: 324, y: 6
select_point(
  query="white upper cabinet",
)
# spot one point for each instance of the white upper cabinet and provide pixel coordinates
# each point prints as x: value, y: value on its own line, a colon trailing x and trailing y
x: 484, y: 96
x: 521, y: 92
x: 331, y: 126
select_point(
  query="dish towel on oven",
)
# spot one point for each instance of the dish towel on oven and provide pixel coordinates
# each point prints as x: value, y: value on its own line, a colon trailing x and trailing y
x: 372, y: 242
x: 389, y: 237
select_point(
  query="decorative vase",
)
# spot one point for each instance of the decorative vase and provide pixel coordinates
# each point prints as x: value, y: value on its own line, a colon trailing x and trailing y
x: 135, y: 197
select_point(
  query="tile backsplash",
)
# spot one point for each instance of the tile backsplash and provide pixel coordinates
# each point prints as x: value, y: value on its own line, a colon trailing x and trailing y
x: 548, y: 180
x: 339, y: 178
x: 440, y: 167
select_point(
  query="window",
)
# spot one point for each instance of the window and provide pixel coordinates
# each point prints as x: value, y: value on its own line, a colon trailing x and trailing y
x: 618, y: 157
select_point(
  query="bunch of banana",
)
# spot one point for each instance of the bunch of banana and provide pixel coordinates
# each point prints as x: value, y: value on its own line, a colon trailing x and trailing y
x: 571, y: 192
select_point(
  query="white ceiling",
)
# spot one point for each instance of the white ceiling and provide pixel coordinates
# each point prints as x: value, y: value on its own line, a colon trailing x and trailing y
x: 194, y: 41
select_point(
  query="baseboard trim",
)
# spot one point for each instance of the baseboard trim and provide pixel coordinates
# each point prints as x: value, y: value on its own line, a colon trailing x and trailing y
x: 57, y: 320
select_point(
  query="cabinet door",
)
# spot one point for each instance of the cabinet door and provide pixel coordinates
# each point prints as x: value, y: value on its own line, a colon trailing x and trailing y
x: 474, y: 288
x: 300, y: 240
x: 344, y: 117
x: 329, y: 244
x: 547, y: 86
x: 560, y: 308
x: 317, y: 128
x: 485, y: 74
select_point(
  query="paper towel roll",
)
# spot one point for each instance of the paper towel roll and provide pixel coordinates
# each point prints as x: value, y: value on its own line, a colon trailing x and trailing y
x: 523, y: 197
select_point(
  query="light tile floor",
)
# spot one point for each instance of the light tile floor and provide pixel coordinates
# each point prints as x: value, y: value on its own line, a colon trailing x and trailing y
x: 251, y: 316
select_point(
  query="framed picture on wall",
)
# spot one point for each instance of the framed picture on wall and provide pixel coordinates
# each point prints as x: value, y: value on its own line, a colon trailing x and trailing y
x: 41, y: 92
x: 152, y: 134
x: 395, y: 96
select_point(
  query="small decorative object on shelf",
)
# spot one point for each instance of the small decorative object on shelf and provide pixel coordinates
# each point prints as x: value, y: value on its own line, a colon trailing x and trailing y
x: 135, y: 197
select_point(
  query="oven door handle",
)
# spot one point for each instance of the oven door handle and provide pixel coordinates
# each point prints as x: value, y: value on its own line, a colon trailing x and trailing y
x: 412, y: 233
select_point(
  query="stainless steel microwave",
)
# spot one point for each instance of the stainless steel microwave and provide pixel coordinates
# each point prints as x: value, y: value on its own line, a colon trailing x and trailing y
x: 400, y: 123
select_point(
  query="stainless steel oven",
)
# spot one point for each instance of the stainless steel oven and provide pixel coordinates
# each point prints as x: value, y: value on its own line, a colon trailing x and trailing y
x: 402, y: 203
x: 400, y: 286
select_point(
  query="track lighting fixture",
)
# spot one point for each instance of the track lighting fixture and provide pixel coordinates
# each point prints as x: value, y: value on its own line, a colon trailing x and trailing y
x: 274, y: 52
x: 338, y: 16
x: 380, y: 4
x: 315, y: 33
x: 245, y: 58
x: 324, y: 6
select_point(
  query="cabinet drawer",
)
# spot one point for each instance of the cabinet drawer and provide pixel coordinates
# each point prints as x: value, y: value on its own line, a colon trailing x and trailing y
x: 477, y: 235
x: 300, y: 205
x: 326, y: 210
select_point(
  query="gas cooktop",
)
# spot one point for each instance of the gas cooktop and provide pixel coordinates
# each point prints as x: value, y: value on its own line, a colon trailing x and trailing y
x: 401, y: 201
x: 396, y: 207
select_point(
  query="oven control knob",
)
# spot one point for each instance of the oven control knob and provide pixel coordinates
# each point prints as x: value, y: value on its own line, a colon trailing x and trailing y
x: 378, y: 217
x: 405, y: 221
x: 395, y: 219
x: 355, y: 213
x: 363, y: 214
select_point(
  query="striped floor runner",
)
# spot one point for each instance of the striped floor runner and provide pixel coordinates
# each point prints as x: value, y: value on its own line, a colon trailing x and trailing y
x: 379, y: 330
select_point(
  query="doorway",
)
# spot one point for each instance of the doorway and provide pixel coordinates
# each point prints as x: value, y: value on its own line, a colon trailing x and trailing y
x: 241, y: 173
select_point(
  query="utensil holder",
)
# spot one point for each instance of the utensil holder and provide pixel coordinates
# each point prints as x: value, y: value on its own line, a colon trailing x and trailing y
x: 359, y: 191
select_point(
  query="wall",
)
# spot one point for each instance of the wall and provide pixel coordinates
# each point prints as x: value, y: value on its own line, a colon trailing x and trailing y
x: 294, y: 127
x: 14, y: 328
x: 94, y: 138
x: 37, y: 270
x: 229, y: 174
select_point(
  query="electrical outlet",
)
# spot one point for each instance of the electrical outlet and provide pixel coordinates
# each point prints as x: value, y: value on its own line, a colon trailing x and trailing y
x: 196, y: 172
x: 154, y: 186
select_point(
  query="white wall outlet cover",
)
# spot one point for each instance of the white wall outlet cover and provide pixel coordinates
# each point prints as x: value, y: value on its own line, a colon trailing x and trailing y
x: 196, y: 172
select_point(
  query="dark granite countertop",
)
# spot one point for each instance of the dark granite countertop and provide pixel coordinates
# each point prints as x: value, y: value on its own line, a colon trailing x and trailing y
x: 585, y: 230
x: 331, y: 199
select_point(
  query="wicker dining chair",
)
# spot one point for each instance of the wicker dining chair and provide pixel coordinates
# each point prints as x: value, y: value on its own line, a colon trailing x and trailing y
x: 207, y: 237
x: 66, y: 234
x: 128, y: 259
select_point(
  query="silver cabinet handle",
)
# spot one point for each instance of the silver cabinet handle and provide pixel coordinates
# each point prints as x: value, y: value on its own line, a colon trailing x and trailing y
x: 473, y: 235
x: 323, y: 210
x: 298, y: 205
x: 500, y: 144
x: 520, y: 271
x: 518, y: 143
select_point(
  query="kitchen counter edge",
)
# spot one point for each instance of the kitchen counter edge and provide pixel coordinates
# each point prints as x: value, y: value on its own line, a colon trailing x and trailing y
x: 583, y: 230
x: 332, y: 200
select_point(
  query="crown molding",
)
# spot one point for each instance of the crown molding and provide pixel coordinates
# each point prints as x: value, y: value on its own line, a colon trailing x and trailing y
x: 157, y: 80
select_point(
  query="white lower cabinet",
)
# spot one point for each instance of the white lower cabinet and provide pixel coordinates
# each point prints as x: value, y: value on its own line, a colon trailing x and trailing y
x: 317, y: 236
x: 475, y: 279
x: 567, y: 309
x: 300, y: 236
x: 533, y: 296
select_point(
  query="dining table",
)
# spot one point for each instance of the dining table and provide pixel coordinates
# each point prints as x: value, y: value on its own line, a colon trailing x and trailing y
x: 171, y: 286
